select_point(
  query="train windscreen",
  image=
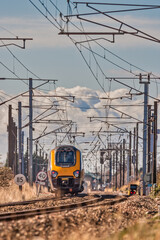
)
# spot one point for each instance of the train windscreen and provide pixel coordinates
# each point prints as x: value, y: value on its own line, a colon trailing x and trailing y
x: 65, y: 157
x: 133, y: 187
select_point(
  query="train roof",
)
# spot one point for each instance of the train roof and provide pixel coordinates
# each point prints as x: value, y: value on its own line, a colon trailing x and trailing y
x: 65, y: 146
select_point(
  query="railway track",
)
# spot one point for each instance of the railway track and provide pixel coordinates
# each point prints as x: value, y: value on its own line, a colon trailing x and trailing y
x: 96, y: 201
x: 30, y: 213
x: 32, y: 201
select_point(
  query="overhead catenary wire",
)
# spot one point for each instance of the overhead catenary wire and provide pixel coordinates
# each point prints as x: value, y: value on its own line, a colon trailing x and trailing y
x: 43, y: 14
x: 20, y: 61
x: 144, y: 7
x: 18, y: 78
x: 87, y: 64
x: 14, y: 56
x: 120, y: 58
x: 72, y: 39
x: 103, y: 47
x: 114, y: 79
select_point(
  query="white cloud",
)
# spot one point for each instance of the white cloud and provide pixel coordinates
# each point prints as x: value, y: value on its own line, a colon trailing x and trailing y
x: 88, y: 103
x: 44, y: 34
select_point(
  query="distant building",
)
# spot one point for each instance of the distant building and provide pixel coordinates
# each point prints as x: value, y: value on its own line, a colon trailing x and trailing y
x: 92, y: 180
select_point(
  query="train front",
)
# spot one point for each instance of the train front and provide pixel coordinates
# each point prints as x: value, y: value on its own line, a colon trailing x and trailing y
x: 66, y: 173
x: 133, y: 189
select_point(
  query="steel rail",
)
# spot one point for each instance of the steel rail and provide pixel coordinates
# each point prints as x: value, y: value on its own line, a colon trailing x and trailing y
x: 34, y: 201
x: 31, y: 213
x: 40, y: 211
x: 29, y: 201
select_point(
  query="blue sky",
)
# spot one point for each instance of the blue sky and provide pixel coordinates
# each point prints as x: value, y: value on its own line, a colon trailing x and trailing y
x: 50, y: 55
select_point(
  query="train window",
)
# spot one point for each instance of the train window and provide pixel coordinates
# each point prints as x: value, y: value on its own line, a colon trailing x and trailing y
x: 64, y: 157
x: 133, y: 187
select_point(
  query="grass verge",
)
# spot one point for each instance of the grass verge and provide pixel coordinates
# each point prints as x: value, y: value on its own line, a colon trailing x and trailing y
x: 143, y: 230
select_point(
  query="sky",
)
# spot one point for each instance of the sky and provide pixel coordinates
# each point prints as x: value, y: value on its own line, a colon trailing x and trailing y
x: 48, y: 53
x: 54, y: 56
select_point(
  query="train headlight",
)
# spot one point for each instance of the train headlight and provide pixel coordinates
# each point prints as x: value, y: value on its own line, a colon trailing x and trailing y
x: 54, y: 173
x: 76, y: 173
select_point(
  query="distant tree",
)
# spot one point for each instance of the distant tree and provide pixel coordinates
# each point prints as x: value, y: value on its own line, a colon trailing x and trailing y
x: 7, y: 162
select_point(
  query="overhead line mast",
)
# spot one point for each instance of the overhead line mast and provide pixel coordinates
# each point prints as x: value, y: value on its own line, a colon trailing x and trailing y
x: 133, y: 31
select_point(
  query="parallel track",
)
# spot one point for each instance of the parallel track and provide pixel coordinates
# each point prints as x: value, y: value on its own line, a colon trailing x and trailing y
x: 31, y: 213
x: 31, y: 201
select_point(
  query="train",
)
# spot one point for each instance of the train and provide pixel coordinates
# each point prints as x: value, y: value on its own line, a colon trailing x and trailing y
x: 133, y: 188
x: 65, y: 173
